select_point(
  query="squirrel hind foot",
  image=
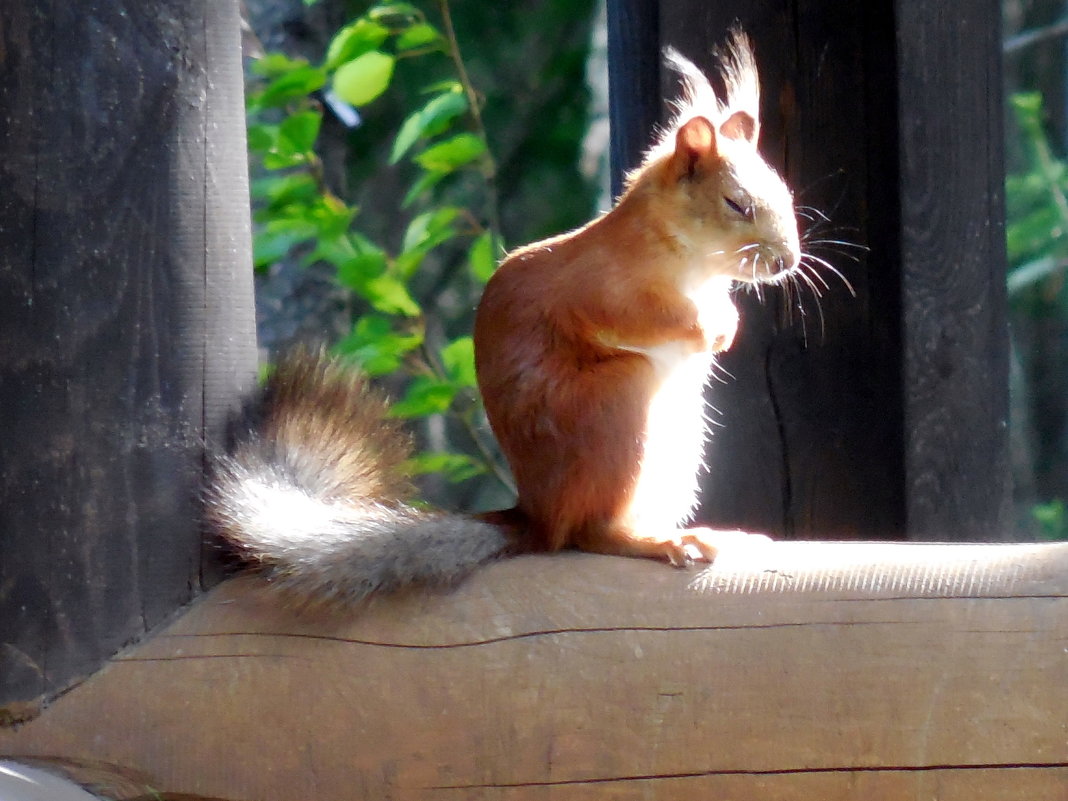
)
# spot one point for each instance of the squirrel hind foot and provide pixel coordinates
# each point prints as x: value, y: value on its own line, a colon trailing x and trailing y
x: 680, y: 549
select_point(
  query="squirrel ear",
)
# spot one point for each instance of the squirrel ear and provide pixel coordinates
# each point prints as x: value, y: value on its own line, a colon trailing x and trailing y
x: 741, y: 125
x: 694, y: 141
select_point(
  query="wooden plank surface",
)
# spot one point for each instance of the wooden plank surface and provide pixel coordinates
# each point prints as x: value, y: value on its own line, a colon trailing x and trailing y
x: 634, y: 98
x: 956, y: 354
x: 792, y: 671
x: 125, y: 317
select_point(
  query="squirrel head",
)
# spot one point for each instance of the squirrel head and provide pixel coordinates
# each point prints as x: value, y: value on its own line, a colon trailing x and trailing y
x: 726, y: 206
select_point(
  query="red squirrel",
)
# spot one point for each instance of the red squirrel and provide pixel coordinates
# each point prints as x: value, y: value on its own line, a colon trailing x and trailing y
x: 592, y: 350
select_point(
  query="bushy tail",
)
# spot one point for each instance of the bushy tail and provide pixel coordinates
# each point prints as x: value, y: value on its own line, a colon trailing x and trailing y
x: 313, y: 493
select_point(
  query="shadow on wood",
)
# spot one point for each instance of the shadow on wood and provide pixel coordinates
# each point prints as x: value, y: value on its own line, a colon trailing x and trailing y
x: 790, y: 671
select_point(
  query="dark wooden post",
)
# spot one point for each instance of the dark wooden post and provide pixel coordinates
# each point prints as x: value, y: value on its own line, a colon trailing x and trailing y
x: 953, y: 263
x: 125, y: 330
x: 881, y: 415
x: 635, y: 103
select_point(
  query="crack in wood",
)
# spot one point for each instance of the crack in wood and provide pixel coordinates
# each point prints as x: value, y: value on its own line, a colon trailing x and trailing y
x: 550, y: 633
x: 768, y: 772
x: 184, y: 657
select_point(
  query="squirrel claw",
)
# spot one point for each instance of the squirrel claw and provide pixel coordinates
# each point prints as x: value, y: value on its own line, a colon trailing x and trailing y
x: 708, y: 542
x: 722, y: 341
x: 679, y: 555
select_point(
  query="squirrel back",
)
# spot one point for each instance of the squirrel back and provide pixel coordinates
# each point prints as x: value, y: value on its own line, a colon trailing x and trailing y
x: 314, y: 493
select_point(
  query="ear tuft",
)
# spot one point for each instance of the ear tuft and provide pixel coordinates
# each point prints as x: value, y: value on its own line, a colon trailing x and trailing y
x: 741, y: 125
x: 694, y: 141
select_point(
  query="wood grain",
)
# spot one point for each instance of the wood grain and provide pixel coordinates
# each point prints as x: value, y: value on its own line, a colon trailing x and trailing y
x: 793, y: 671
x: 125, y: 317
x: 633, y: 83
x: 953, y: 263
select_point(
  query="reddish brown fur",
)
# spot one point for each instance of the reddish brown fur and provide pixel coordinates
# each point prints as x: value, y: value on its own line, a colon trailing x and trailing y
x: 592, y: 349
x: 568, y: 409
x: 570, y: 330
x: 333, y: 412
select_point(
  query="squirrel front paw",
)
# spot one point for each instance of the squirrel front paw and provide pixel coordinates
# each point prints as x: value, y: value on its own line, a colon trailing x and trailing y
x: 721, y: 327
x: 717, y: 315
x: 680, y: 548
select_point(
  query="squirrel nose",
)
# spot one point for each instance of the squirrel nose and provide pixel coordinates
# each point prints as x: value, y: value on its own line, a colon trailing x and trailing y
x: 788, y: 258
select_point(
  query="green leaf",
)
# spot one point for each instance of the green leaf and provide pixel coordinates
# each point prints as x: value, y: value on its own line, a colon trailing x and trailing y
x: 390, y: 11
x: 407, y: 263
x: 426, y: 181
x: 300, y: 82
x: 451, y: 154
x: 438, y: 110
x: 428, y: 227
x: 388, y: 295
x: 354, y: 40
x: 450, y: 85
x: 334, y: 250
x: 269, y: 247
x: 281, y: 190
x: 455, y: 467
x: 424, y: 233
x: 1052, y: 519
x: 288, y: 144
x: 482, y: 257
x: 376, y: 347
x: 1027, y: 104
x: 458, y: 358
x: 298, y: 223
x: 361, y: 80
x: 426, y: 395
x: 277, y: 160
x: 298, y: 132
x: 421, y: 34
x: 355, y: 272
x: 272, y: 65
x: 262, y: 138
x: 367, y: 275
x: 330, y: 216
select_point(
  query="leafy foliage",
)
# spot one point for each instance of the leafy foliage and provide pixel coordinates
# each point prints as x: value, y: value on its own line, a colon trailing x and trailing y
x: 1037, y: 210
x: 1037, y: 245
x: 1052, y: 520
x: 299, y: 216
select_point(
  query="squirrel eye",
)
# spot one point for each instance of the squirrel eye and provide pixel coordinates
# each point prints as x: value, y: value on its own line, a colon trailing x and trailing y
x: 746, y: 211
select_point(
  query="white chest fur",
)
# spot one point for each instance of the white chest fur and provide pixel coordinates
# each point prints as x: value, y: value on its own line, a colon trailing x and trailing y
x: 665, y: 496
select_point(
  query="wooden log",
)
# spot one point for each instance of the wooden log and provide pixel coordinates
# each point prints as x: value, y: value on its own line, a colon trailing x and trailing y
x: 126, y: 320
x: 788, y: 671
x: 952, y: 205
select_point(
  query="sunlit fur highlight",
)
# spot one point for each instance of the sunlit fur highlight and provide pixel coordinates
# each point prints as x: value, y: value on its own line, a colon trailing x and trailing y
x: 738, y: 71
x: 592, y: 350
x: 593, y: 347
x: 314, y: 494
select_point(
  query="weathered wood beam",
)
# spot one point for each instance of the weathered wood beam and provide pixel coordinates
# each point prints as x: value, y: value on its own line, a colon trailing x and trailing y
x: 126, y: 322
x: 791, y: 671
